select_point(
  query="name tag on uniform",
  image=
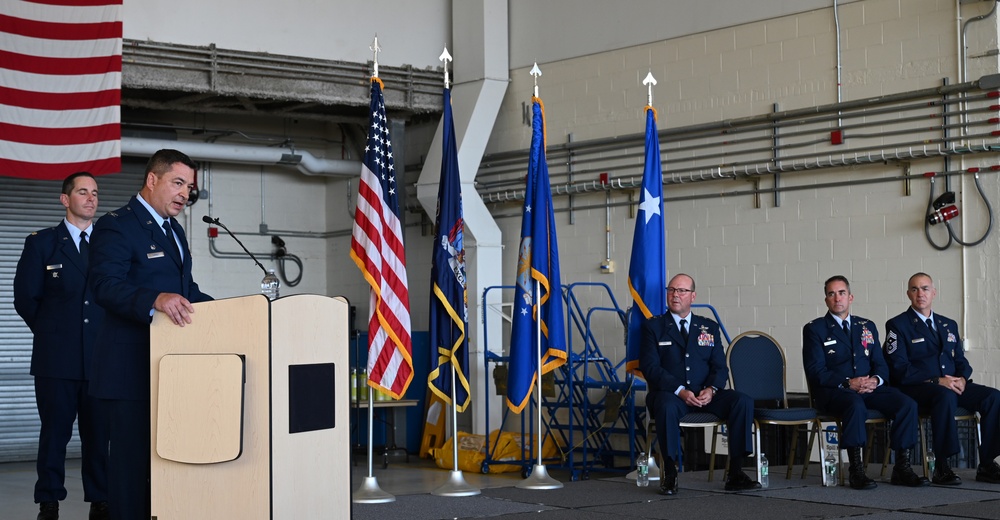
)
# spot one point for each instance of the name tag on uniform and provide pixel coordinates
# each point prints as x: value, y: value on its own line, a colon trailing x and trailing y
x: 829, y: 342
x: 53, y: 267
x: 156, y: 254
x: 917, y: 340
x: 665, y: 343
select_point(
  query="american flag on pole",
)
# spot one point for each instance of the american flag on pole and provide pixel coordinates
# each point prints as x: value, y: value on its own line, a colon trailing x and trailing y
x: 60, y: 87
x: 377, y: 248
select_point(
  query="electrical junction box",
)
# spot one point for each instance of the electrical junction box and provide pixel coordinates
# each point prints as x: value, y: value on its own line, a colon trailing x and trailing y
x: 608, y: 266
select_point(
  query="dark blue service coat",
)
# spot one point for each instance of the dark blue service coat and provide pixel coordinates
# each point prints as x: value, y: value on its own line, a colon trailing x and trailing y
x: 51, y: 294
x: 831, y: 357
x: 131, y: 262
x: 918, y: 356
x: 668, y: 362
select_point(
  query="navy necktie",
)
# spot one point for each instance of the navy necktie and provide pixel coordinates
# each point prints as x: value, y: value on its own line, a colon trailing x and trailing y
x: 84, y: 247
x: 170, y: 236
x: 684, y: 331
x: 930, y: 324
x: 847, y: 328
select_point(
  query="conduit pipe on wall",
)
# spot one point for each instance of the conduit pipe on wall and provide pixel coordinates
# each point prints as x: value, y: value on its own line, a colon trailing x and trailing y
x: 963, y: 67
x: 302, y: 160
x: 497, y: 176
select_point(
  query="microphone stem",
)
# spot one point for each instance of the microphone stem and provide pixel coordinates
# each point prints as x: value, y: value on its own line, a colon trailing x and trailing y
x: 254, y: 258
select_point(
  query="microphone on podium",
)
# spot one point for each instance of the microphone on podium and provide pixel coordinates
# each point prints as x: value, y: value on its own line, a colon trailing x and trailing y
x: 214, y: 221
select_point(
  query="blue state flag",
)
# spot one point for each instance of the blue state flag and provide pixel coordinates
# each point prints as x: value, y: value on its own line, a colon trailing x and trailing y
x: 537, y: 268
x: 449, y: 304
x: 647, y: 270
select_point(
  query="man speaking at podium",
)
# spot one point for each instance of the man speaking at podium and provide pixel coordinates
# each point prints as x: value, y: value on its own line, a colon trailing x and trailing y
x: 139, y: 263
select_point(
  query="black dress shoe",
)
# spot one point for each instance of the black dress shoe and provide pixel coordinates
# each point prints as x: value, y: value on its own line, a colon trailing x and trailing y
x: 99, y: 511
x: 860, y: 480
x: 48, y: 511
x: 988, y: 472
x: 904, y: 476
x: 944, y: 476
x: 668, y: 483
x: 739, y: 481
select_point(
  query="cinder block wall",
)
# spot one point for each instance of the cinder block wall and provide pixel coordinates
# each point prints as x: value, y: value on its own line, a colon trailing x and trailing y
x: 763, y: 268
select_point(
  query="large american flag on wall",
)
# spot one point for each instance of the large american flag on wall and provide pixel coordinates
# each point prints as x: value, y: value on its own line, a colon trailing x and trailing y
x: 377, y: 249
x: 60, y: 87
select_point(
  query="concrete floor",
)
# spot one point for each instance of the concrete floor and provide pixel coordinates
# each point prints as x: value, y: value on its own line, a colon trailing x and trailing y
x: 601, y: 497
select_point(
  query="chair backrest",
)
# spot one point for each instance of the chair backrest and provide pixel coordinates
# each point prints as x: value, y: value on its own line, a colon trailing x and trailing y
x: 757, y: 367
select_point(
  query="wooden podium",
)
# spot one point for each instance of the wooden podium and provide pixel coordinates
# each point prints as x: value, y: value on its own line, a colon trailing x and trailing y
x: 249, y: 410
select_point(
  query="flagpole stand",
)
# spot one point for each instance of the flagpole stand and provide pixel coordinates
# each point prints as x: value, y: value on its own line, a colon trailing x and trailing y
x: 539, y: 478
x: 369, y: 492
x: 456, y: 485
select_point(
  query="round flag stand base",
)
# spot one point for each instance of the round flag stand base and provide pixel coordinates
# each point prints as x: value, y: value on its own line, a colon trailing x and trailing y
x: 370, y: 493
x: 539, y: 479
x: 456, y: 487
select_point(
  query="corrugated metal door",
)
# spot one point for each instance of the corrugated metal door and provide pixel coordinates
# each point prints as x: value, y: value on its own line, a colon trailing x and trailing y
x: 26, y: 206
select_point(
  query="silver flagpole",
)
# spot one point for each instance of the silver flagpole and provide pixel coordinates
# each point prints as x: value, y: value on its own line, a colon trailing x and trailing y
x: 369, y: 492
x: 654, y: 471
x: 456, y: 485
x: 539, y: 478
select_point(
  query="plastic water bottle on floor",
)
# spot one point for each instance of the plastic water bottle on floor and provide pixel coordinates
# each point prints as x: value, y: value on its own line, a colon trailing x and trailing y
x: 931, y: 462
x: 830, y: 470
x: 642, y: 470
x: 763, y: 471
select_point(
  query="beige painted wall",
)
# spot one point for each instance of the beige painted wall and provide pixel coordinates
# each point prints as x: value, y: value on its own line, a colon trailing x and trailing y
x: 763, y: 268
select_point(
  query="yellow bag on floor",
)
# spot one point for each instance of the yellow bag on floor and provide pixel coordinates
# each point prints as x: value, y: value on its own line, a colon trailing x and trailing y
x: 504, y: 446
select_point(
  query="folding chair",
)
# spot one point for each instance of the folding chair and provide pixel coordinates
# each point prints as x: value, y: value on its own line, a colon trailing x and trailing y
x: 874, y: 417
x: 690, y: 420
x: 757, y: 368
x: 961, y: 414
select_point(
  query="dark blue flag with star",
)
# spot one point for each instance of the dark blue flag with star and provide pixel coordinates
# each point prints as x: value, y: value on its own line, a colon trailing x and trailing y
x: 538, y: 295
x: 647, y: 270
x: 449, y: 304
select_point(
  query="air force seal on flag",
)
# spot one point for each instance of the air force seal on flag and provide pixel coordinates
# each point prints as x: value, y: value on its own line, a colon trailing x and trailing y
x: 453, y: 244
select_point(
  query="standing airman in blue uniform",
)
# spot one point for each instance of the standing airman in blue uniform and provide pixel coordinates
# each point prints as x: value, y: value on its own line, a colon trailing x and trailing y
x: 140, y: 263
x: 51, y: 295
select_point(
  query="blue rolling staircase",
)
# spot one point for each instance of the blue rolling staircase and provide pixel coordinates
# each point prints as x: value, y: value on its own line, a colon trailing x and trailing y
x: 592, y: 402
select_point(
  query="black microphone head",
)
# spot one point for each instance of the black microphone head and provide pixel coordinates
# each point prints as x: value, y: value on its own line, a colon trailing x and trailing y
x: 207, y: 219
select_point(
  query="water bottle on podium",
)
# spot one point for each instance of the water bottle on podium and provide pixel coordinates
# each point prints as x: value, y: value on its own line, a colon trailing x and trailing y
x: 269, y: 285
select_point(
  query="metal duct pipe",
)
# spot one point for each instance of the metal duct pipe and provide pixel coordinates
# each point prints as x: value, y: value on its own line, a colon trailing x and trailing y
x: 306, y: 162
